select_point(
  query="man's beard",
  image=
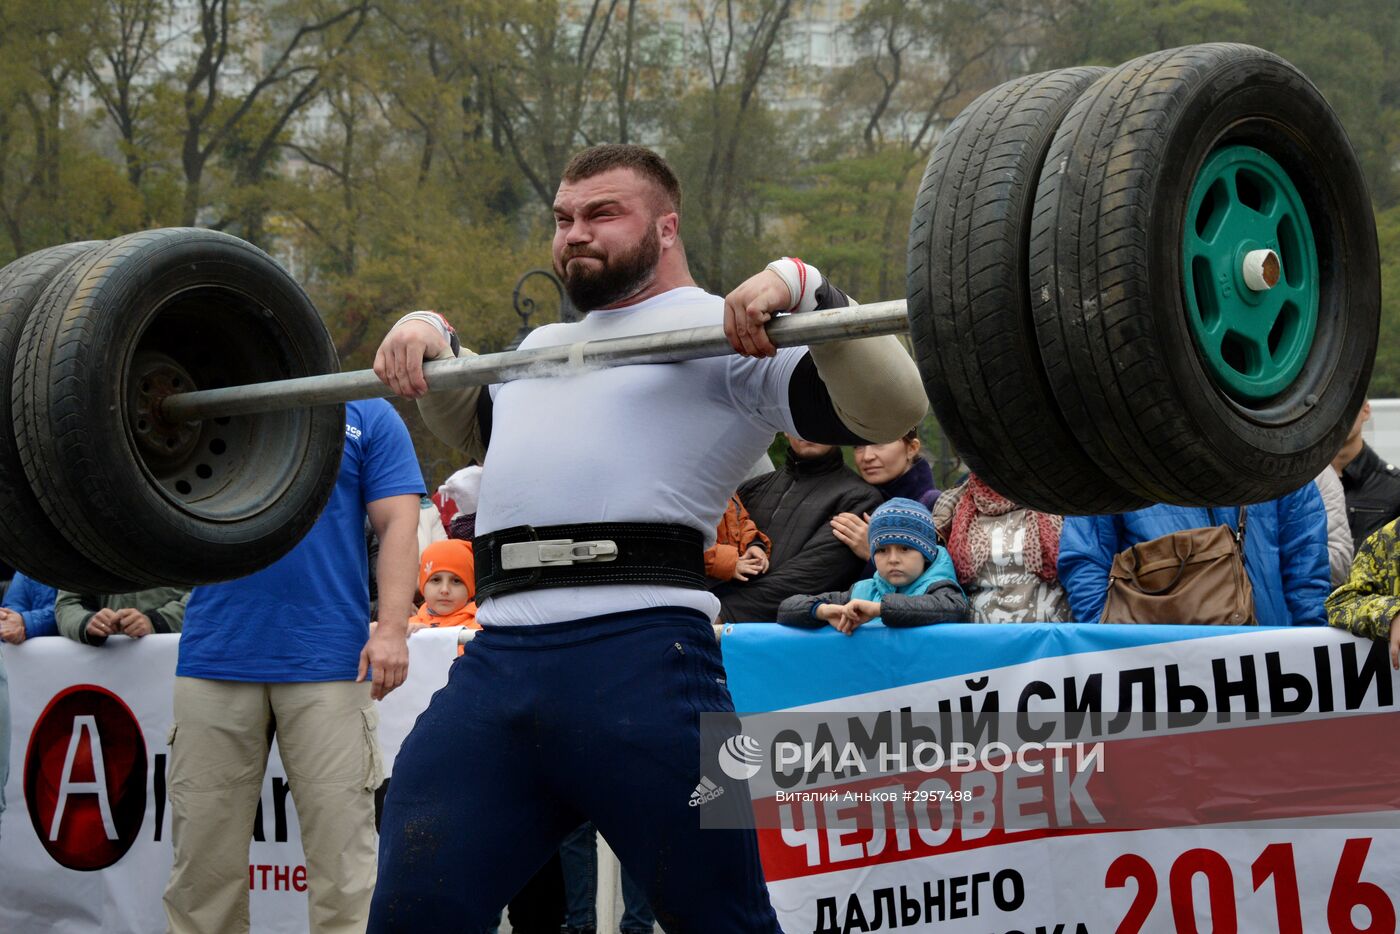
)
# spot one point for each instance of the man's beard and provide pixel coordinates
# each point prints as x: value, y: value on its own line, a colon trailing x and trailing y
x: 615, y: 279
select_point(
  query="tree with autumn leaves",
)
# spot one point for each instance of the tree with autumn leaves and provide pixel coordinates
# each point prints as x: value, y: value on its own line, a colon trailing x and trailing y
x: 402, y: 154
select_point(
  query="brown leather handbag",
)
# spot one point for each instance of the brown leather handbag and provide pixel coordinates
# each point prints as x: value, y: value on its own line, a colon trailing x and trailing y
x: 1196, y: 577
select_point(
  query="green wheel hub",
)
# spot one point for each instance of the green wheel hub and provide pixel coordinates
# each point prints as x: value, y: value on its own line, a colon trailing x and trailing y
x: 1253, y: 329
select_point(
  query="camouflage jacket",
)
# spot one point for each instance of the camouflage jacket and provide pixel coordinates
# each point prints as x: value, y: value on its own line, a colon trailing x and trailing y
x: 1370, y: 598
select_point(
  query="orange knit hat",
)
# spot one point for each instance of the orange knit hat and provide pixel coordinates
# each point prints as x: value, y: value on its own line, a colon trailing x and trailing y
x: 450, y: 554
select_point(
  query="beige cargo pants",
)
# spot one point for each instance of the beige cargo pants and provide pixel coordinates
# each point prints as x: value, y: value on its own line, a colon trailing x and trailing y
x: 219, y: 741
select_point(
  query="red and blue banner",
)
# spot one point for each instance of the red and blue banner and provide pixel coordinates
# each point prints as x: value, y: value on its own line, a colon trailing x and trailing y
x: 1209, y: 779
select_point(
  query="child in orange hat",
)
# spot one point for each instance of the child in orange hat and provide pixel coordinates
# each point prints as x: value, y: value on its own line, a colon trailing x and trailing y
x: 447, y: 581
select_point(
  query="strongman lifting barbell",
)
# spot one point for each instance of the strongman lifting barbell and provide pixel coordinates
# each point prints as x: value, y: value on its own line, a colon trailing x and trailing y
x: 1157, y: 283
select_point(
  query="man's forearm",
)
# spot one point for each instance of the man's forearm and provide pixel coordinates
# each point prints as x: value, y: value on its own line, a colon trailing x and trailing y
x: 170, y: 616
x: 451, y: 415
x: 397, y: 574
x: 874, y: 386
x: 39, y: 623
x: 71, y: 617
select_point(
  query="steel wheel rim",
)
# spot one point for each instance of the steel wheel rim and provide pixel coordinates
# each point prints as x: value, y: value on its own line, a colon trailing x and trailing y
x: 1250, y: 274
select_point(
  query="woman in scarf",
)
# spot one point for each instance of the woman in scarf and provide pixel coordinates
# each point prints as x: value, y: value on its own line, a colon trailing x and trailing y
x: 1005, y: 555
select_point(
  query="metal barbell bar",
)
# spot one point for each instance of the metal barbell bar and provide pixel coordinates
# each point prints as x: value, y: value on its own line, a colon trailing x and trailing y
x: 815, y: 327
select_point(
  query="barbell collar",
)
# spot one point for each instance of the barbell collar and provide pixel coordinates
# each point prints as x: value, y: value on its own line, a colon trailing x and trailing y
x: 815, y: 327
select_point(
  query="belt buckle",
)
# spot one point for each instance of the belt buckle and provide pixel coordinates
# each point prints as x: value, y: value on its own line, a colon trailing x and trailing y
x: 556, y: 552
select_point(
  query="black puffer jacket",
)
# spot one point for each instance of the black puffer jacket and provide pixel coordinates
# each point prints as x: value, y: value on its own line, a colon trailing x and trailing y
x: 944, y: 602
x: 1373, y: 493
x: 794, y: 506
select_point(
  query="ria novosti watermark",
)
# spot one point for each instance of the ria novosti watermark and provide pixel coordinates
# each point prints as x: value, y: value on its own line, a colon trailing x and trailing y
x: 794, y: 762
x: 1013, y: 771
x: 876, y: 756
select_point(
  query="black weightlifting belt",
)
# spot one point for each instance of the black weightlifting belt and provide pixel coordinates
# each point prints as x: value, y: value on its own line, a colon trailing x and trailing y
x: 588, y: 553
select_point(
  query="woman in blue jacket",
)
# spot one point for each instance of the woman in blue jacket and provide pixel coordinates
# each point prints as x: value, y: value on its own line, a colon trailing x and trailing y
x: 1285, y: 553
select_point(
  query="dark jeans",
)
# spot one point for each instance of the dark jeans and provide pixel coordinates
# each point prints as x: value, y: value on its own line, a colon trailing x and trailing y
x: 579, y: 858
x: 541, y: 728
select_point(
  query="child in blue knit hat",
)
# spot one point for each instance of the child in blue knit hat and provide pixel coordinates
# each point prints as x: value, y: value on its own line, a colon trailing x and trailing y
x: 915, y: 583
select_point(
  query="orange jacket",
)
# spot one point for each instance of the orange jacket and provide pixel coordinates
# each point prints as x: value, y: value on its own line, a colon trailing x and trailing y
x: 733, y: 536
x: 466, y: 616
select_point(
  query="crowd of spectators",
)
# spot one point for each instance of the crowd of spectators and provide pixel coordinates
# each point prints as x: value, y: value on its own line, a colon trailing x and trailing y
x: 814, y: 543
x: 795, y: 506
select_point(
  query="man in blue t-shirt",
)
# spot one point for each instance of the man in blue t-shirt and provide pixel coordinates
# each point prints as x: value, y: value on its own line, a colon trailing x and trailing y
x: 286, y: 651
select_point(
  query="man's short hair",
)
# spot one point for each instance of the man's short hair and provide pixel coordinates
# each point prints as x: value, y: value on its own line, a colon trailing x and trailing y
x: 595, y: 160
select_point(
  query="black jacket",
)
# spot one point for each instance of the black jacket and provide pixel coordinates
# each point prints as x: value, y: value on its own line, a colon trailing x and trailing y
x: 1373, y: 493
x: 794, y: 506
x: 943, y: 603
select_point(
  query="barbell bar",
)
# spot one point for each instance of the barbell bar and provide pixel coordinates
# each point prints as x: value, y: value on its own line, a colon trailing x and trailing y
x: 816, y: 327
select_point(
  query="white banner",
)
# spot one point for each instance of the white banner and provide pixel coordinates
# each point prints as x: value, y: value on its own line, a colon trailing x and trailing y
x: 95, y: 856
x: 1292, y: 821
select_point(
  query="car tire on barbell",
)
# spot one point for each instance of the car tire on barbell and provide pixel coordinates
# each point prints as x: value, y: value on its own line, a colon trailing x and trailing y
x: 969, y: 301
x: 28, y: 537
x: 155, y: 313
x: 1191, y: 379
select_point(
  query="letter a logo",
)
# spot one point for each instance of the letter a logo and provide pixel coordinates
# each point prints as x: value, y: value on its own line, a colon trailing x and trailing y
x: 85, y: 778
x: 67, y: 785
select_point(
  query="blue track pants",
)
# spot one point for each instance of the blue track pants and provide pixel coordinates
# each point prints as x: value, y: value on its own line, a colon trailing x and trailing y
x: 543, y: 727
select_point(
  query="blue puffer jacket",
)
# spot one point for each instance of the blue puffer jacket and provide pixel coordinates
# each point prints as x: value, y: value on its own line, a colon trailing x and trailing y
x: 1285, y: 553
x: 34, y: 603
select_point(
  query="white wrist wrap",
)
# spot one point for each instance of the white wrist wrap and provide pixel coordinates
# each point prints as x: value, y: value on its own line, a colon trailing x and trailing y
x: 433, y: 318
x: 802, y: 280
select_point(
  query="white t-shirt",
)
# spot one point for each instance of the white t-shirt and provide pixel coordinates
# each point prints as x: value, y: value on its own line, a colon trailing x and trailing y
x: 651, y: 443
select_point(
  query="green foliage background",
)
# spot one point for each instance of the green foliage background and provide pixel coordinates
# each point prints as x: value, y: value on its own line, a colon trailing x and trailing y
x: 403, y: 154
